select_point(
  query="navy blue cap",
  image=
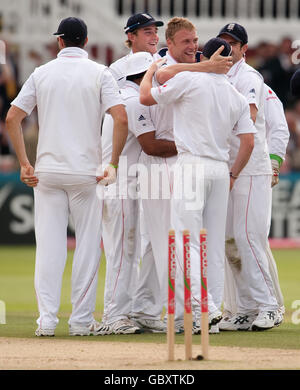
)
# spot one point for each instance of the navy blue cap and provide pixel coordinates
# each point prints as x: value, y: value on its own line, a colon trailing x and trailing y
x: 236, y: 31
x: 213, y: 44
x: 73, y: 29
x: 295, y: 84
x: 141, y: 20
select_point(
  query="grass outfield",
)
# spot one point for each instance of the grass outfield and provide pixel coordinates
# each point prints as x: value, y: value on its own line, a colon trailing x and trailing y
x: 17, y: 291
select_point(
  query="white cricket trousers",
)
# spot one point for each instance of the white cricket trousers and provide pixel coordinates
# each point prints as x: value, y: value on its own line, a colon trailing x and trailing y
x: 210, y: 182
x: 155, y: 191
x: 56, y: 197
x: 248, y: 224
x: 230, y: 293
x: 121, y: 240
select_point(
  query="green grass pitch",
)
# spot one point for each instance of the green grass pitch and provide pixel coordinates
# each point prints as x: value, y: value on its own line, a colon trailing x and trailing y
x: 17, y: 292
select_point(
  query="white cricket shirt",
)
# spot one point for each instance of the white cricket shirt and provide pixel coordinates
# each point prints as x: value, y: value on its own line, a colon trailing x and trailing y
x: 250, y: 83
x: 276, y: 125
x: 139, y: 122
x: 162, y: 114
x: 71, y: 94
x: 207, y: 109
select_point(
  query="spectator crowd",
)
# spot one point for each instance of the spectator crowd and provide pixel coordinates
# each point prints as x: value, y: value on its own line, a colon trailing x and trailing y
x: 276, y: 62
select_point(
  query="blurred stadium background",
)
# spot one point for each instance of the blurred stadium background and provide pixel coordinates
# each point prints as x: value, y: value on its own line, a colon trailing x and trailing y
x: 26, y: 28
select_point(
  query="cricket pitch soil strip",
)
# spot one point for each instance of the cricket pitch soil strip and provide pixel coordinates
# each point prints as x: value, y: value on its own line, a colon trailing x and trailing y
x: 75, y: 353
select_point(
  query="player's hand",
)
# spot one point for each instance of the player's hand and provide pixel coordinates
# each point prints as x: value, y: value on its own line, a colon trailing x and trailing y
x: 109, y: 176
x: 220, y: 64
x: 157, y: 65
x: 27, y: 176
x: 232, y: 180
x: 275, y: 169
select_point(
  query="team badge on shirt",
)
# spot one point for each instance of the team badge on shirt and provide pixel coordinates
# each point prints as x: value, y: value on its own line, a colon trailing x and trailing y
x: 253, y: 93
x: 272, y: 96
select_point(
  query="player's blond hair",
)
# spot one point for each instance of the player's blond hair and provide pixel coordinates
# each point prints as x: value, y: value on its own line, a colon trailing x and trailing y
x: 128, y: 42
x: 176, y: 24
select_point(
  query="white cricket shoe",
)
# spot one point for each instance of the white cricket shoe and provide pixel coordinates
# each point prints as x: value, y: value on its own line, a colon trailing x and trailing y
x: 279, y: 317
x: 102, y: 329
x: 215, y: 317
x: 124, y: 326
x: 196, y: 327
x: 265, y: 320
x: 149, y: 325
x: 86, y: 330
x: 44, y: 332
x: 237, y: 322
x: 214, y: 329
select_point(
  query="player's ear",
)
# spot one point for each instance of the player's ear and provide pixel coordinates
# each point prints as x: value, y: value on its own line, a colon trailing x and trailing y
x: 131, y: 36
x: 244, y: 48
x: 61, y: 43
x: 169, y: 41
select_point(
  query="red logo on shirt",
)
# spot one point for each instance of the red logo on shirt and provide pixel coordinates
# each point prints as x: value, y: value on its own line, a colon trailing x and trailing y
x: 164, y: 85
x: 270, y: 92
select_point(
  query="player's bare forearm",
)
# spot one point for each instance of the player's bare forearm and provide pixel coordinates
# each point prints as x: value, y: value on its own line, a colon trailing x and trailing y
x: 244, y: 153
x: 253, y: 112
x: 13, y: 126
x: 166, y: 73
x: 161, y: 148
x: 120, y: 131
x: 216, y: 64
x: 157, y: 147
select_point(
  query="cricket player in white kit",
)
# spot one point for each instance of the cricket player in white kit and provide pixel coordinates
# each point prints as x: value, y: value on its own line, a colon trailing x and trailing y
x: 151, y: 293
x: 70, y: 93
x: 249, y: 210
x: 202, y: 142
x: 121, y: 217
x: 277, y: 133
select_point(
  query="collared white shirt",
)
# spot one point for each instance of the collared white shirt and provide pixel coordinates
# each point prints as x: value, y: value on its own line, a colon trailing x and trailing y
x: 71, y: 93
x: 250, y: 83
x: 207, y: 109
x: 276, y: 125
